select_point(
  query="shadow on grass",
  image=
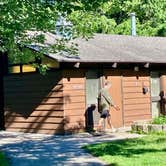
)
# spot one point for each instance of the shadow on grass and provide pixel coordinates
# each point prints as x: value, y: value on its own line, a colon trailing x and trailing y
x: 128, y: 148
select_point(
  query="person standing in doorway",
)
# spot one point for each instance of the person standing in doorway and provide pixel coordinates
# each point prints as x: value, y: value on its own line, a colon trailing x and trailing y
x: 105, y: 103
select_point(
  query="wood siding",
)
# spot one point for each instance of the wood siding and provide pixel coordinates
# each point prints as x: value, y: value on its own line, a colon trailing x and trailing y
x: 34, y: 103
x: 74, y: 100
x: 56, y: 103
x: 136, y: 104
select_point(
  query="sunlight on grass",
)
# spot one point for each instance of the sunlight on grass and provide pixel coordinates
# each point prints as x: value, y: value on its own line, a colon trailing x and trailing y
x: 146, y: 151
x: 3, y: 160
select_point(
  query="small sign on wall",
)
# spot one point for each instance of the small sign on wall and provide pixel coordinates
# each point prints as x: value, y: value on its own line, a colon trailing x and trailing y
x: 77, y: 87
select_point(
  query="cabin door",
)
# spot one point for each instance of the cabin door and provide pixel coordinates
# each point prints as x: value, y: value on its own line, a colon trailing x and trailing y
x: 155, y: 94
x: 114, y: 77
x: 92, y: 90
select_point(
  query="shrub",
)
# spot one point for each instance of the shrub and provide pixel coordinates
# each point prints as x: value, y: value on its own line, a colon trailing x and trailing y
x: 159, y: 120
x: 3, y: 160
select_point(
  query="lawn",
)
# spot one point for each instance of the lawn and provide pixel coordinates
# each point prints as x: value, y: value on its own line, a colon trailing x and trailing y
x: 3, y: 160
x: 146, y: 151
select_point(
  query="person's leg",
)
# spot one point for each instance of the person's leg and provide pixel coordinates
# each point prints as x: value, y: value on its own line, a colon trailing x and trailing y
x: 109, y: 122
x: 100, y: 124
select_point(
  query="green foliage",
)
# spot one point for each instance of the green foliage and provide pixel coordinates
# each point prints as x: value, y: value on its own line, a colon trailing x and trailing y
x: 159, y: 120
x: 148, y: 150
x: 20, y: 19
x: 23, y: 23
x: 3, y: 160
x: 151, y: 16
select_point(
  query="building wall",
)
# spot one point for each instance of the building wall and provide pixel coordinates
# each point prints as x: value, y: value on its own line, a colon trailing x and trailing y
x: 57, y: 102
x: 34, y: 103
x: 136, y: 104
x: 74, y: 99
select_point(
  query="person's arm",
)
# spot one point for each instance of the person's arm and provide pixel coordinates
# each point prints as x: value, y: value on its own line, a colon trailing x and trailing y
x: 107, y: 96
x: 116, y: 107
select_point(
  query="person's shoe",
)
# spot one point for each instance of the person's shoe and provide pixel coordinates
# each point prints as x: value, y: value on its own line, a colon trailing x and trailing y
x: 97, y: 133
x: 113, y: 130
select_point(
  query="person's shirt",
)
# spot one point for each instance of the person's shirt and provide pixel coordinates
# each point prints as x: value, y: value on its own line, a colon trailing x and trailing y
x: 106, y: 100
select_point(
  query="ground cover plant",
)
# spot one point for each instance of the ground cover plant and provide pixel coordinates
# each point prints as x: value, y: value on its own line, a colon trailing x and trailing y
x: 3, y: 160
x: 149, y: 150
x: 159, y: 120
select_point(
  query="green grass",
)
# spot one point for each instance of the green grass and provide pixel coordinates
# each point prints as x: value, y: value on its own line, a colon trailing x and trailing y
x: 146, y: 151
x: 3, y: 160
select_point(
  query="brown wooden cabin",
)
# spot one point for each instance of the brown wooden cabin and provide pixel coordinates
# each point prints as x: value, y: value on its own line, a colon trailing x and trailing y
x: 63, y: 100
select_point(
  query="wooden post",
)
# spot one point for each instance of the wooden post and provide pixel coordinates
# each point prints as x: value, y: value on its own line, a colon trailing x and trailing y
x: 3, y: 63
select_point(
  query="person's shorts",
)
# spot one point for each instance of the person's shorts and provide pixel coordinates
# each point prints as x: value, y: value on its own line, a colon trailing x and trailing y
x: 104, y: 114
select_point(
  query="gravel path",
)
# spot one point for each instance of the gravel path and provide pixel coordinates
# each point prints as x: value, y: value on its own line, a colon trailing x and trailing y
x: 46, y: 150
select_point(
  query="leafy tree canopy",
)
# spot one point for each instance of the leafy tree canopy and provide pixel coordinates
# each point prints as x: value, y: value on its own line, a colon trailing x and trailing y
x: 150, y: 14
x: 19, y: 17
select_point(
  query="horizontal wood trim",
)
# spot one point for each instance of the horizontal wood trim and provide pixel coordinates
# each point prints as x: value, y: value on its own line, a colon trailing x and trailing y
x: 132, y: 89
x: 74, y: 126
x: 46, y: 101
x: 35, y: 91
x: 138, y: 117
x: 42, y: 113
x: 76, y: 93
x: 74, y: 99
x: 34, y: 94
x: 75, y: 105
x: 73, y: 87
x: 129, y: 79
x: 48, y: 113
x: 40, y: 131
x: 136, y: 84
x: 34, y: 125
x: 137, y: 101
x: 135, y: 95
x: 50, y: 107
x: 73, y: 119
x: 41, y: 107
x: 136, y: 107
x: 52, y: 100
x: 136, y: 112
x: 75, y: 112
x: 46, y: 119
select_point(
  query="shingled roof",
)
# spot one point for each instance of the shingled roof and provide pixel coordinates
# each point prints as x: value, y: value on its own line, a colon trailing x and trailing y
x: 117, y: 48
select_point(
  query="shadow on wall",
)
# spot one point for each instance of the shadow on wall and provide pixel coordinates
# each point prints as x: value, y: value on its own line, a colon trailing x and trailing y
x: 71, y: 128
x: 34, y: 103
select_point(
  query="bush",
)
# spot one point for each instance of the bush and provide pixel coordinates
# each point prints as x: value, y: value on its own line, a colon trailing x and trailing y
x: 159, y: 120
x: 3, y: 160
